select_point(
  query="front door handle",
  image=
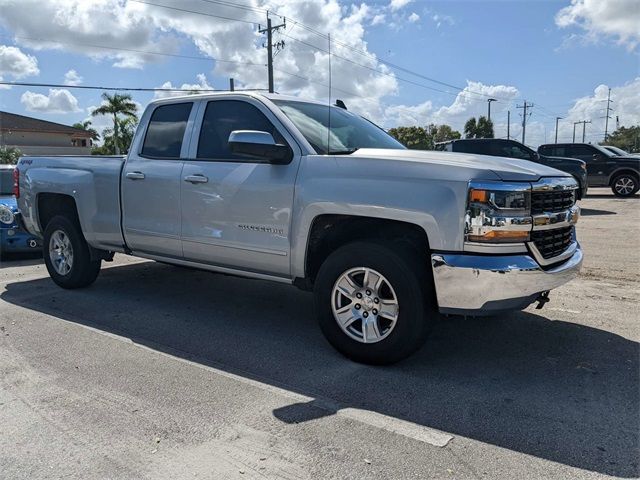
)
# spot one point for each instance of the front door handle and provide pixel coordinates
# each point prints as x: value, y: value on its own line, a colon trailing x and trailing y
x: 196, y: 179
x: 135, y: 176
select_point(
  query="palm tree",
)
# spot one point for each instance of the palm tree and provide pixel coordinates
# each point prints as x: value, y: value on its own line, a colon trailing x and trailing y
x: 115, y: 105
x: 86, y: 126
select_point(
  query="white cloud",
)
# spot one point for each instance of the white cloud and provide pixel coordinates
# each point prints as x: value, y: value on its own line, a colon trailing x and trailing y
x: 398, y: 4
x: 202, y: 84
x: 414, y: 17
x: 626, y: 105
x: 378, y: 19
x: 72, y: 78
x: 614, y: 18
x: 16, y: 63
x: 58, y: 101
x: 470, y: 102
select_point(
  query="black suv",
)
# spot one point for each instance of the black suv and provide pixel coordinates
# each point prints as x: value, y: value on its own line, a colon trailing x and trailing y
x: 604, y: 168
x: 498, y: 147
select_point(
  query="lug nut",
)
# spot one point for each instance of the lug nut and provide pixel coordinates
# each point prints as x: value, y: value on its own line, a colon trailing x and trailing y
x: 374, y: 311
x: 357, y: 306
x: 368, y: 292
x: 365, y: 314
x: 358, y: 295
x: 376, y: 300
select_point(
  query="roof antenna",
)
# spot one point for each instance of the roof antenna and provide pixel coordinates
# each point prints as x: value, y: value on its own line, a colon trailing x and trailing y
x: 329, y: 105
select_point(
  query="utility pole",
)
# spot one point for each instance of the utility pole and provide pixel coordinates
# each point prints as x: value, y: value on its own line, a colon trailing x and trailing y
x: 489, y: 100
x: 524, y: 117
x: 557, y: 118
x: 508, y: 124
x: 269, y: 31
x: 584, y: 125
x: 231, y: 86
x: 607, y: 116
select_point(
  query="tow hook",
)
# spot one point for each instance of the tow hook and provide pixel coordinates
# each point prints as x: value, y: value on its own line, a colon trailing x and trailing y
x: 542, y: 299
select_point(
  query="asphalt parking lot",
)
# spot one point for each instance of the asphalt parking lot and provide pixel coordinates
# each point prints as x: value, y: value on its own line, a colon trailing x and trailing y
x: 162, y: 372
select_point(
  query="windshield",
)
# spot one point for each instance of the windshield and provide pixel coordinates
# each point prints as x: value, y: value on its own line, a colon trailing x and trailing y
x: 6, y: 181
x: 616, y: 150
x: 348, y: 131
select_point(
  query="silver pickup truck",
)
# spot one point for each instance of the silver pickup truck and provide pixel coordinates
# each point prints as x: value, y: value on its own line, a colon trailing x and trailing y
x: 272, y: 187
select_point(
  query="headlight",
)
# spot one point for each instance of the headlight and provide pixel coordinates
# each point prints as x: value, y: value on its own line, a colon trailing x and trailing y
x: 498, y: 213
x: 6, y: 215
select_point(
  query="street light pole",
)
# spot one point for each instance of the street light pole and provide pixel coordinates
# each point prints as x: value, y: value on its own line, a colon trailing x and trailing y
x: 574, y: 131
x: 489, y: 100
x: 557, y: 118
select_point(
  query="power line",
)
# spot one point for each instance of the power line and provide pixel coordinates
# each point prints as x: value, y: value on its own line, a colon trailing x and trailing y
x: 351, y: 48
x: 133, y: 50
x: 121, y: 89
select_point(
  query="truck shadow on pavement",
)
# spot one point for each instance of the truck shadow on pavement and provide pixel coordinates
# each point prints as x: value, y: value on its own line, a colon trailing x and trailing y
x: 552, y: 389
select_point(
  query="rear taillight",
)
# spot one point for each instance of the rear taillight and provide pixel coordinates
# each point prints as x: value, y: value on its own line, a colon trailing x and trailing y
x: 16, y: 183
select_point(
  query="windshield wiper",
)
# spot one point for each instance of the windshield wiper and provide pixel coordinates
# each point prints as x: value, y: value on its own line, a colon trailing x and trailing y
x: 348, y: 151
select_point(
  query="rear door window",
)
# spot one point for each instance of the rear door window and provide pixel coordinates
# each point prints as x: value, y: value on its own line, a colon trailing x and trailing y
x: 166, y: 131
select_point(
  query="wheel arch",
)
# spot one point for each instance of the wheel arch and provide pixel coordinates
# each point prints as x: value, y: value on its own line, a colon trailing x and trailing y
x: 331, y: 231
x: 620, y: 171
x: 51, y: 204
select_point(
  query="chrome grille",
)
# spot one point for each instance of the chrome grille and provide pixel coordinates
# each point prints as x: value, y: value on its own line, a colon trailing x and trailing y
x: 551, y: 201
x: 551, y: 243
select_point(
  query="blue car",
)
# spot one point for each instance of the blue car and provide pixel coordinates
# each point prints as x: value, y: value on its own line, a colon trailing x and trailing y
x: 13, y: 238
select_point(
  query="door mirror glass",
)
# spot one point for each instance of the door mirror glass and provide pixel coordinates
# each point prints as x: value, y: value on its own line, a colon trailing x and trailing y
x: 256, y: 144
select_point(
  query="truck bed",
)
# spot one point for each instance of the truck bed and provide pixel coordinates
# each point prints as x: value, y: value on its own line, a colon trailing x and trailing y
x: 92, y: 181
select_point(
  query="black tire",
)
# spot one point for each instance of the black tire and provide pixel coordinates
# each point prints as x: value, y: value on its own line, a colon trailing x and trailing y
x: 84, y: 270
x: 412, y: 282
x: 630, y: 183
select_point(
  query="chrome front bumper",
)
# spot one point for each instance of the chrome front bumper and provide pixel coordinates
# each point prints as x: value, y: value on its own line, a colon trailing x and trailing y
x: 483, y: 285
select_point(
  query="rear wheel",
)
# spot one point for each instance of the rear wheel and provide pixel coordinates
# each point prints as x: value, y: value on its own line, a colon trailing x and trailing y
x: 625, y: 185
x: 374, y: 302
x: 67, y: 256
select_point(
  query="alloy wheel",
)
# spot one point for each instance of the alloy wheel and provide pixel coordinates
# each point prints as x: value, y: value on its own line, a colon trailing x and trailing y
x: 365, y: 305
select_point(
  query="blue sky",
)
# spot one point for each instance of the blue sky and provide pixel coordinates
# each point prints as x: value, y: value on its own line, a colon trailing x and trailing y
x: 560, y: 55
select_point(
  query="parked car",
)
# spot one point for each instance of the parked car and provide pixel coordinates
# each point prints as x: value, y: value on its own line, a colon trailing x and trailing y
x: 620, y: 152
x: 499, y: 147
x: 13, y: 238
x: 604, y: 168
x: 258, y: 185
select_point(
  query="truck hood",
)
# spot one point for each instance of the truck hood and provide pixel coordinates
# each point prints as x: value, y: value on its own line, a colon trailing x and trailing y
x: 506, y: 169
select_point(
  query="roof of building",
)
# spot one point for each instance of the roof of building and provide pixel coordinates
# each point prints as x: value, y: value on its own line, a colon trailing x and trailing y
x: 13, y: 121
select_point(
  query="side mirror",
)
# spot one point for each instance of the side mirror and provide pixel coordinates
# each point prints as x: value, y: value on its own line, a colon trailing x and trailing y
x: 256, y: 144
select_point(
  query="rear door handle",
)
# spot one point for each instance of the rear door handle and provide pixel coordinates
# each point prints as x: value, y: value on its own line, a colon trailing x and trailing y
x: 196, y: 179
x: 135, y: 176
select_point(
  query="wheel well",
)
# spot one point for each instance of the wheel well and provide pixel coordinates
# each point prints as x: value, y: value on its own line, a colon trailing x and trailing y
x: 619, y: 172
x: 329, y: 232
x: 52, y: 204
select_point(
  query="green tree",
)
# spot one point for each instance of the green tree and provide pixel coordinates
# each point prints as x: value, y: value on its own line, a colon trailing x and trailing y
x: 126, y: 130
x: 442, y: 133
x: 485, y: 128
x: 481, y: 128
x: 415, y: 138
x: 116, y: 105
x: 625, y: 138
x: 86, y: 125
x: 9, y: 155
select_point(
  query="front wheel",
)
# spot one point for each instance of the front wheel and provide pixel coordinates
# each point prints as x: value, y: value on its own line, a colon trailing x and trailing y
x: 625, y: 185
x: 67, y: 256
x: 374, y: 301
